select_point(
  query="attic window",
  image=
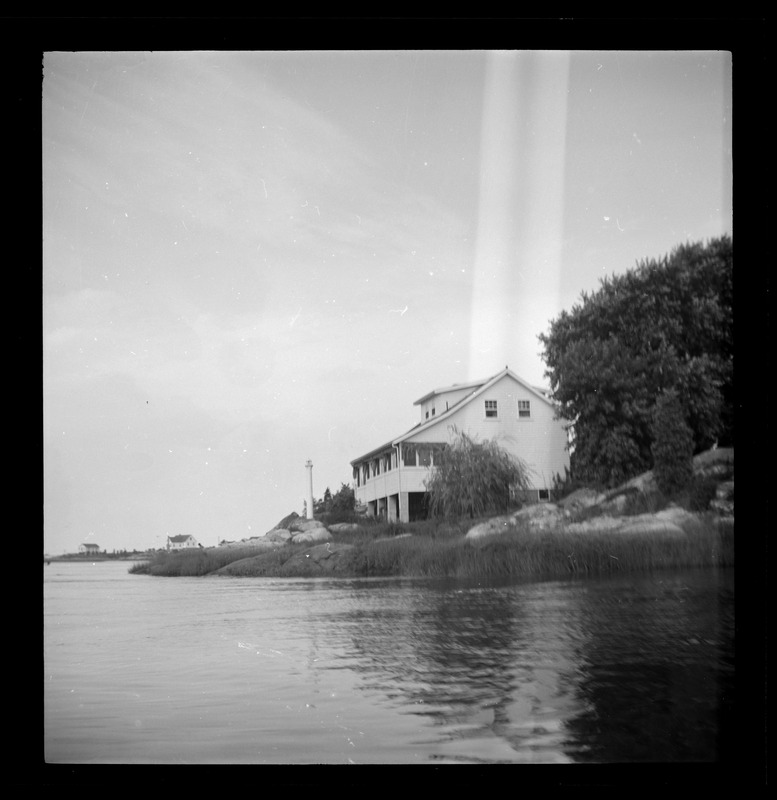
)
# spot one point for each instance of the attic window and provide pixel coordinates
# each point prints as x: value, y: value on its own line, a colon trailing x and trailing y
x: 491, y: 408
x: 524, y: 408
x: 432, y: 412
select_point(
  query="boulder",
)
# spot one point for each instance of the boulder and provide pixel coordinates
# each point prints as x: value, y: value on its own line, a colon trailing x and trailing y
x: 491, y: 527
x: 710, y: 461
x: 595, y: 524
x: 322, y: 557
x: 539, y: 516
x: 614, y: 505
x: 580, y: 499
x: 255, y: 542
x: 287, y: 520
x: 315, y: 534
x: 302, y: 525
x: 671, y: 520
x: 339, y: 527
x: 650, y: 523
x: 278, y: 535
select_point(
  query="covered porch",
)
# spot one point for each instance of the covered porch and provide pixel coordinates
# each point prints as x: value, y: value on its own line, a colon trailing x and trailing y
x: 391, y: 480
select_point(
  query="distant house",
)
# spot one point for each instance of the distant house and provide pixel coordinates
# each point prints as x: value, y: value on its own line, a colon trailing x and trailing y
x: 181, y: 542
x: 390, y: 479
x: 89, y: 548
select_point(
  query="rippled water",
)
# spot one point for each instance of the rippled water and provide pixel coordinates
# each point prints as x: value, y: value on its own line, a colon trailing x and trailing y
x: 384, y: 671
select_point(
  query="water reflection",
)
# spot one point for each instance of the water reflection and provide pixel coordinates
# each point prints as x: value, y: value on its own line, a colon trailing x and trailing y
x: 385, y: 671
x: 659, y: 668
x: 618, y: 670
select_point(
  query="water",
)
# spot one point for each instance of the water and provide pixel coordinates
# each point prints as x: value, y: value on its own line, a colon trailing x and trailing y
x: 142, y: 670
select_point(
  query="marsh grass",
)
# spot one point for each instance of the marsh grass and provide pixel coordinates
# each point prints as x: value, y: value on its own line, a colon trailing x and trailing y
x: 191, y: 563
x: 540, y: 554
x: 438, y: 549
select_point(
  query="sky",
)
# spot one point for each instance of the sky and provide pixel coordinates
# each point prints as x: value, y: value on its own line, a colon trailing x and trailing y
x: 256, y: 259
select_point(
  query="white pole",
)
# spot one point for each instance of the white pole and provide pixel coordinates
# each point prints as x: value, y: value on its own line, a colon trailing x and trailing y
x: 309, y: 467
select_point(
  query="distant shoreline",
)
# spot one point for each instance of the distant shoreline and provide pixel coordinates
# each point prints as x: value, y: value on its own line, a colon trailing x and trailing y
x: 79, y: 558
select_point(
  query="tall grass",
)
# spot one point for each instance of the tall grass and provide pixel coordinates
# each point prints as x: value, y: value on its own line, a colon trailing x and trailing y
x: 190, y: 562
x: 531, y: 553
x: 440, y: 549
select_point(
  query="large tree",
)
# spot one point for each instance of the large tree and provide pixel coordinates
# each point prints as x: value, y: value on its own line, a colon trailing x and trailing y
x: 665, y: 325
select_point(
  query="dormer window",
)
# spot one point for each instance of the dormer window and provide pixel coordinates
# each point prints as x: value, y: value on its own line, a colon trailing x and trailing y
x: 491, y: 410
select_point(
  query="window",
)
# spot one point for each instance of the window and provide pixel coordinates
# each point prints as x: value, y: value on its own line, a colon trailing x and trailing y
x: 432, y: 412
x: 424, y: 456
x: 543, y: 494
x: 524, y: 408
x: 491, y: 408
x: 427, y: 415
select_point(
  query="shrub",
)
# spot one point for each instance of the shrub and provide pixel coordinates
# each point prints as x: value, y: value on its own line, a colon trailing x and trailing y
x: 474, y: 479
x: 563, y: 487
x: 672, y: 446
x: 702, y: 492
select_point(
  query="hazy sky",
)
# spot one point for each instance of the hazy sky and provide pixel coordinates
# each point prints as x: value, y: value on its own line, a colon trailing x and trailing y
x: 252, y: 259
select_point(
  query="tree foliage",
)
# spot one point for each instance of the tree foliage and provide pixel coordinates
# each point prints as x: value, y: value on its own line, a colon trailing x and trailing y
x: 667, y: 324
x: 474, y: 479
x: 342, y: 501
x: 672, y: 446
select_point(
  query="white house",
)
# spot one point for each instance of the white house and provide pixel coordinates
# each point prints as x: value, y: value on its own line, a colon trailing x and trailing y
x: 181, y: 542
x: 89, y: 548
x: 390, y: 479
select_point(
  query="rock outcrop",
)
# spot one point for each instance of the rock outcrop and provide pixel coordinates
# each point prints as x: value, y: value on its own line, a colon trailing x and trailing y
x: 540, y: 516
x: 278, y: 535
x: 322, y: 558
x: 313, y: 535
x: 607, y: 510
x: 252, y: 542
x: 672, y: 520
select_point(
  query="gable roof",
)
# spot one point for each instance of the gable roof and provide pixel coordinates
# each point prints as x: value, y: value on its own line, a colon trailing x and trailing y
x: 456, y: 387
x: 477, y: 389
x: 180, y: 538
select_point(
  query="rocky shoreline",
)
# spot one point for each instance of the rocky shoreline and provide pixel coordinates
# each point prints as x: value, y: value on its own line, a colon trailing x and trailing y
x: 584, y: 511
